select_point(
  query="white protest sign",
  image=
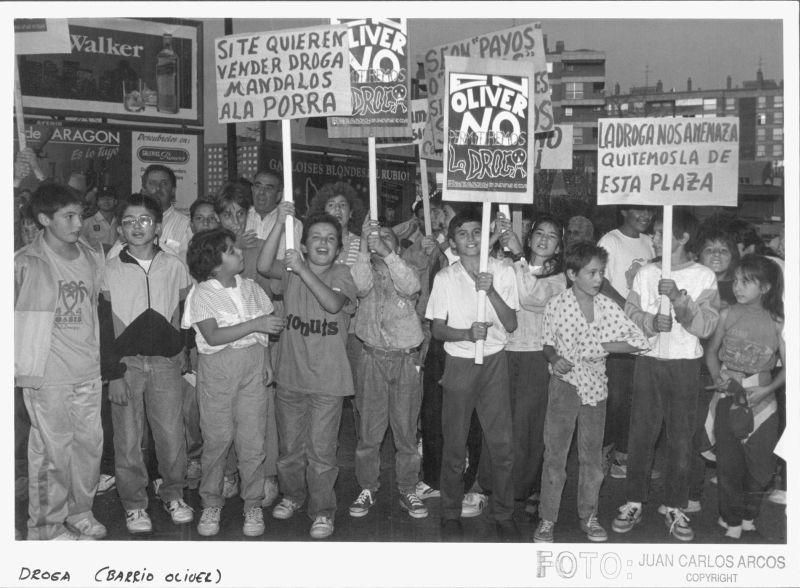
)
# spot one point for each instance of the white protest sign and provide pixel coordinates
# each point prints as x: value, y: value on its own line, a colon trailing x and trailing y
x: 668, y: 161
x: 554, y: 150
x: 488, y: 131
x: 523, y: 42
x: 281, y: 75
x: 419, y: 118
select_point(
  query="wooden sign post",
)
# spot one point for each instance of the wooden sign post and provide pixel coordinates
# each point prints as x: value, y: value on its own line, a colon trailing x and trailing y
x: 488, y: 130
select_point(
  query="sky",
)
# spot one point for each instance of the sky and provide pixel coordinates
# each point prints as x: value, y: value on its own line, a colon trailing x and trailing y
x: 672, y: 50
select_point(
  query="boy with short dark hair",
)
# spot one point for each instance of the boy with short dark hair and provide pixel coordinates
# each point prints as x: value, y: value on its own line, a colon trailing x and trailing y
x: 143, y: 348
x: 388, y: 387
x: 57, y: 364
x: 581, y: 327
x: 467, y: 386
x: 666, y: 378
x: 311, y: 366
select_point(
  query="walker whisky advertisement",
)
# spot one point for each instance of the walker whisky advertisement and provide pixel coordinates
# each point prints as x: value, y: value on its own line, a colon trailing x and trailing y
x: 118, y: 68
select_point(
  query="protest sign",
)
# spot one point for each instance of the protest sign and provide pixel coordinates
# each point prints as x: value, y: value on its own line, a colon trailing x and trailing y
x: 379, y: 79
x: 489, y: 128
x: 282, y: 75
x: 668, y: 161
x: 524, y: 42
x: 554, y: 150
x: 419, y: 118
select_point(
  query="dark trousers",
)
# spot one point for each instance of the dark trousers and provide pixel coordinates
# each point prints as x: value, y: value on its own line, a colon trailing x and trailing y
x: 431, y: 423
x: 22, y: 428
x: 107, y: 460
x: 528, y: 380
x: 739, y: 492
x: 697, y: 472
x: 483, y: 388
x: 619, y: 368
x: 665, y: 391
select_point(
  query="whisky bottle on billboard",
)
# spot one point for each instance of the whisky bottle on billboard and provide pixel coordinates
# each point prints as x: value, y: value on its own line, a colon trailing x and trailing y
x: 167, y: 77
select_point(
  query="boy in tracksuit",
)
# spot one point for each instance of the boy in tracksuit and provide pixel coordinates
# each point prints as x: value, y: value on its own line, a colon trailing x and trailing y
x: 142, y: 352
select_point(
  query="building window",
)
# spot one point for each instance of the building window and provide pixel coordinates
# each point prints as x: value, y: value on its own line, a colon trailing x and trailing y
x: 567, y: 111
x: 777, y: 101
x: 569, y: 67
x: 730, y: 103
x: 777, y: 117
x: 624, y: 107
x: 761, y: 134
x: 761, y: 119
x: 777, y: 135
x: 762, y: 101
x: 574, y: 90
x: 577, y: 136
x: 760, y: 151
x: 777, y: 150
x: 710, y: 104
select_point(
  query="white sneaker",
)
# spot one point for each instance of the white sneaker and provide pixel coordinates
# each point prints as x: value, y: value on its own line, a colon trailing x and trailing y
x: 138, y: 521
x: 473, y: 504
x: 747, y: 524
x: 106, y: 484
x: 89, y: 528
x: 691, y: 506
x: 285, y: 509
x: 253, y: 522
x: 209, y: 521
x: 777, y: 497
x: 322, y: 528
x: 180, y: 512
x: 270, y: 491
x: 230, y: 486
x: 423, y: 491
x: 67, y: 535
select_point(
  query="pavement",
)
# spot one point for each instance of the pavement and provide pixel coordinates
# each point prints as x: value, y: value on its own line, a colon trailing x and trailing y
x: 387, y: 522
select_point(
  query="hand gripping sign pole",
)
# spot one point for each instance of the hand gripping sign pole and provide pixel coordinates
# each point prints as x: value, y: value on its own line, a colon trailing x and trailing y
x: 488, y: 135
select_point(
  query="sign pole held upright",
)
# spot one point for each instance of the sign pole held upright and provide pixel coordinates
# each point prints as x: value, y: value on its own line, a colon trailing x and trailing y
x: 426, y: 200
x: 288, y: 190
x: 666, y: 273
x: 483, y: 267
x: 373, y: 180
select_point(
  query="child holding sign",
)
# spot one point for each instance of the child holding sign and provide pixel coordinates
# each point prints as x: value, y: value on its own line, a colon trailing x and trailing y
x: 666, y: 378
x: 467, y: 386
x: 312, y: 370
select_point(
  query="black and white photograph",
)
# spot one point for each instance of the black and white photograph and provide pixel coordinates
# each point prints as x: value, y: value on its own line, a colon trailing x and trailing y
x: 402, y: 294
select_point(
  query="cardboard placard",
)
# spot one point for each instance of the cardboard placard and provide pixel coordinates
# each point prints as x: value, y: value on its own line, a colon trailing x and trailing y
x: 281, y: 75
x: 520, y: 43
x: 668, y: 161
x: 489, y: 129
x: 419, y: 120
x: 380, y: 80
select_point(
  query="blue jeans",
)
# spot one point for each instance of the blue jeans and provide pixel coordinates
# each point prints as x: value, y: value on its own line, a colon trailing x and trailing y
x: 308, y: 429
x: 389, y: 393
x: 564, y: 410
x: 483, y: 388
x: 665, y: 390
x: 233, y: 412
x: 64, y: 448
x: 156, y: 394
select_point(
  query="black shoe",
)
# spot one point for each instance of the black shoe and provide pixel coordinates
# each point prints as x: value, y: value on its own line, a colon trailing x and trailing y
x: 507, y: 532
x: 452, y: 530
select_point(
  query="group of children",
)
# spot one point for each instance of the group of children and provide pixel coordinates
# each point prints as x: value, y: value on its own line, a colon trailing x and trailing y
x: 323, y: 321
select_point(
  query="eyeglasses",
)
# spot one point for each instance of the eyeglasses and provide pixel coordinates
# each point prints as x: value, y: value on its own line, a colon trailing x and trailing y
x: 143, y: 220
x: 265, y: 187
